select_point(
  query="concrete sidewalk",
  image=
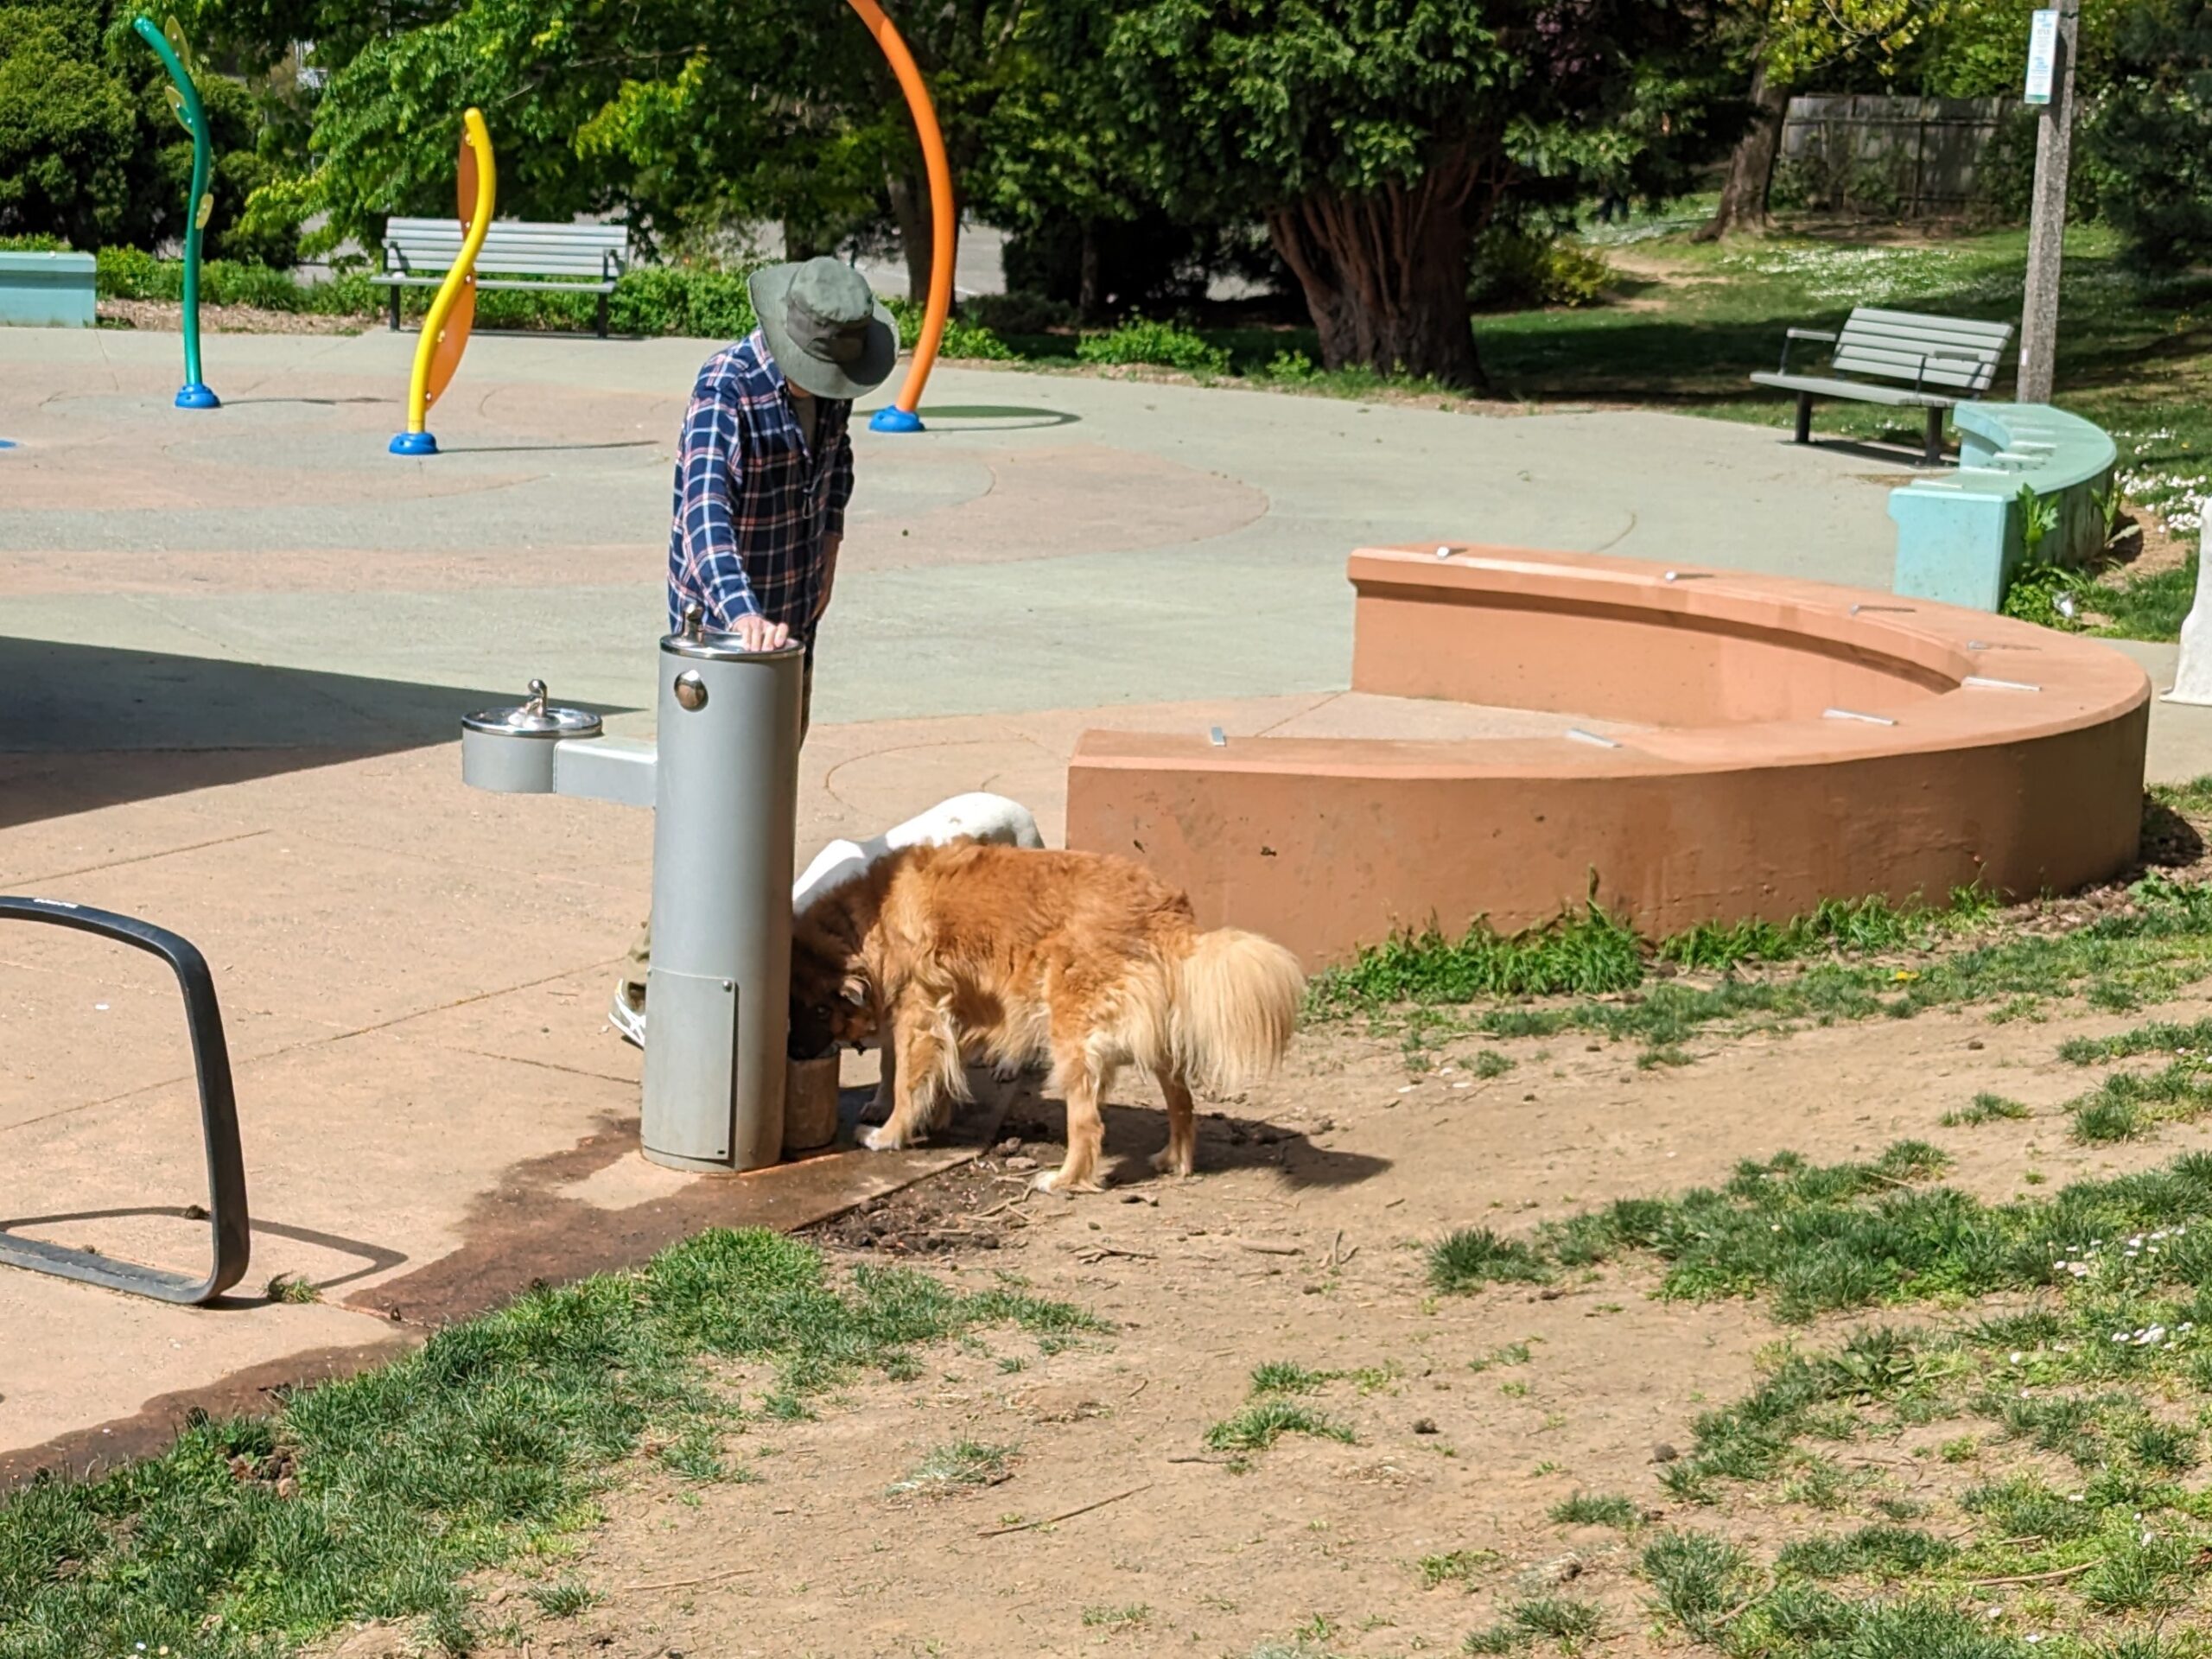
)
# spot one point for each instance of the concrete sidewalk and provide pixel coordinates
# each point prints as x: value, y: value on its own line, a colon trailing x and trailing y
x: 235, y: 646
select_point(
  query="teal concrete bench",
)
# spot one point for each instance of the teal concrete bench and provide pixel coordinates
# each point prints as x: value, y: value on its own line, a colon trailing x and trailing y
x: 1962, y: 534
x: 45, y: 290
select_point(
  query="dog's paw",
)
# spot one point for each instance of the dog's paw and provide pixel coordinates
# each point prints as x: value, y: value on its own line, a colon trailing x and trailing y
x: 1166, y: 1163
x: 1056, y: 1180
x: 883, y: 1140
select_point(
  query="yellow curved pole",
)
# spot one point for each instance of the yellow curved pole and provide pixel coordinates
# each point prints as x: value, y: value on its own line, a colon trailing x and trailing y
x: 476, y: 157
x: 942, y: 223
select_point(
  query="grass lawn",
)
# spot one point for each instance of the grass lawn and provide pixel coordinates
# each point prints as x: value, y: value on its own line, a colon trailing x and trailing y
x: 375, y: 1496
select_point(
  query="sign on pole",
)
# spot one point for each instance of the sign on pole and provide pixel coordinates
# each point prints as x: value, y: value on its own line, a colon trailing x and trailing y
x: 2043, y: 54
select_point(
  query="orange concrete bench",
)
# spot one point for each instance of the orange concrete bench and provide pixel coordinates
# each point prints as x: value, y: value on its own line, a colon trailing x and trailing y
x: 1768, y: 743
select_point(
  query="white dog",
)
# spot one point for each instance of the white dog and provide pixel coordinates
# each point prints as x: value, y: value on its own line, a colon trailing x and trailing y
x: 986, y: 818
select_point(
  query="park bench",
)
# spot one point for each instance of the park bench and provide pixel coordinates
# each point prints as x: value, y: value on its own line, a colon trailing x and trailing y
x: 581, y: 258
x: 1899, y: 358
x: 1962, y: 534
x: 46, y: 291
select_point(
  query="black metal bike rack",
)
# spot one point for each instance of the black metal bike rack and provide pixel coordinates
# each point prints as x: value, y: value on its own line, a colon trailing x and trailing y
x: 219, y: 1122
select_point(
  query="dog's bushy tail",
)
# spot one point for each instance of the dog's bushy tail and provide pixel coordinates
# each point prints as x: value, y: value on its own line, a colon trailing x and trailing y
x: 1236, y: 1001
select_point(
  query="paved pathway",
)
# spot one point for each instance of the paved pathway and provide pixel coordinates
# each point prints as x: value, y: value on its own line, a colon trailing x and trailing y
x: 233, y: 648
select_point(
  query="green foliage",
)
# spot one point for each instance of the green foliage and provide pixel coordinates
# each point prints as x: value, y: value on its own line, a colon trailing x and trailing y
x: 1591, y: 953
x: 70, y: 138
x: 1515, y: 268
x: 2154, y: 130
x: 1818, y: 1237
x: 1281, y: 1376
x: 373, y: 1497
x: 1263, y: 1423
x: 1595, y: 953
x: 1377, y: 141
x: 90, y: 151
x: 1987, y: 1109
x: 1875, y: 1552
x: 1166, y: 345
x: 2159, y: 1037
x: 1457, y: 1566
x: 1698, y: 1577
x: 2150, y: 952
x: 1475, y: 1256
x: 1585, y: 1510
x: 2038, y: 517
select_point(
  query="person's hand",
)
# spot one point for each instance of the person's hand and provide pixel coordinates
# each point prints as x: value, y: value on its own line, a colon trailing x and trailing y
x: 759, y: 633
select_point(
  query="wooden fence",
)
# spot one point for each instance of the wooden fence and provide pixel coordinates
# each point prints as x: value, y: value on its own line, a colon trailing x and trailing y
x: 1909, y: 157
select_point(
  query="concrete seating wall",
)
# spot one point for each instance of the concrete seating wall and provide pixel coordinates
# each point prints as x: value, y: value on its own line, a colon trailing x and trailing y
x: 1787, y: 742
x: 45, y: 290
x: 1963, y: 534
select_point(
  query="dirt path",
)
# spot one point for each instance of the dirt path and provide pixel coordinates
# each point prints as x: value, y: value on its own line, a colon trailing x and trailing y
x: 1299, y: 1242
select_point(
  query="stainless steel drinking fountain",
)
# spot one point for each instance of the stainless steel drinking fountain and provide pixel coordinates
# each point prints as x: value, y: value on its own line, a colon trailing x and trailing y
x: 723, y: 785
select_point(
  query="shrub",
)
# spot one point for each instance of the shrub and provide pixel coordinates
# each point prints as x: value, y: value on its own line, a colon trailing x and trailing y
x: 1166, y: 345
x: 1019, y: 314
x: 2153, y: 129
x: 1515, y: 270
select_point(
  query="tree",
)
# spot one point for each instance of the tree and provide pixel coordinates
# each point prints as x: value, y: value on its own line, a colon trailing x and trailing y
x: 69, y: 139
x: 1376, y: 137
x: 89, y: 151
x: 1787, y: 44
x: 2153, y: 129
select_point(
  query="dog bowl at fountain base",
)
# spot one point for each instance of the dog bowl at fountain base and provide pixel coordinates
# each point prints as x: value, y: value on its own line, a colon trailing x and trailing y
x: 810, y: 1103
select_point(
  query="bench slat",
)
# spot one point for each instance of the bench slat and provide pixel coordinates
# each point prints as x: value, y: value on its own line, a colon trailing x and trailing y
x: 1920, y: 339
x: 510, y: 248
x: 388, y: 279
x: 546, y: 244
x: 1912, y: 368
x: 611, y: 235
x: 1863, y: 391
x: 1995, y: 333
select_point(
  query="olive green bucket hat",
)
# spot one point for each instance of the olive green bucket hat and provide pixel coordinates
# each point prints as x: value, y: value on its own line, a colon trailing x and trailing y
x: 826, y: 330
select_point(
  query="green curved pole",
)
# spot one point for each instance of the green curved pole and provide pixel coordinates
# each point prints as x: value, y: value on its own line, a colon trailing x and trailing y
x: 194, y: 114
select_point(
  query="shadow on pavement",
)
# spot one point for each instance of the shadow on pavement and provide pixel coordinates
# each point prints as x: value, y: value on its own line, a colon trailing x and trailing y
x: 995, y: 417
x: 83, y: 727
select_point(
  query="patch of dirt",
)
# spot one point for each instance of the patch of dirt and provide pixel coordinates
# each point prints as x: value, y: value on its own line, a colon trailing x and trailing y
x: 2143, y: 546
x: 1118, y: 1529
x: 168, y: 315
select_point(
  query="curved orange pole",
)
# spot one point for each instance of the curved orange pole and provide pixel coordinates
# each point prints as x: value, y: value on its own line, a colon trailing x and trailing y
x: 943, y: 226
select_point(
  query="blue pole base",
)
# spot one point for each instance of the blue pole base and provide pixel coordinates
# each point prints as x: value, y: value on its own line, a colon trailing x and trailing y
x: 414, y: 443
x: 196, y: 396
x: 895, y: 419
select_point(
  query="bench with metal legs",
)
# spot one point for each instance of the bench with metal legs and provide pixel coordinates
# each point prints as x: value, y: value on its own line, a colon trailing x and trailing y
x: 219, y: 1122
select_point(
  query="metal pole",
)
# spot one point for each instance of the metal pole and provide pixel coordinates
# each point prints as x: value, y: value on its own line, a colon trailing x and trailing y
x: 2047, y: 226
x: 904, y: 415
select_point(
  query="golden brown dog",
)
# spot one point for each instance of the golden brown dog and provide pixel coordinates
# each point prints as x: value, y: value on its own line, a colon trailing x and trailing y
x: 1084, y: 959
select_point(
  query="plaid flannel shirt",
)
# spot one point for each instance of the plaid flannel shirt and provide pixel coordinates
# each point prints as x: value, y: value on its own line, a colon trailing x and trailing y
x: 754, y: 505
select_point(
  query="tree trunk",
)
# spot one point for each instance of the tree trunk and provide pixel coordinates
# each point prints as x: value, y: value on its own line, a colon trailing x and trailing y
x: 910, y: 206
x: 1385, y: 274
x: 1088, y: 296
x: 1751, y: 170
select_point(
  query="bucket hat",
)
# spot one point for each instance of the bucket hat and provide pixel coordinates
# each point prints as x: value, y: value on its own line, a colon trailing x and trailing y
x: 828, y: 332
